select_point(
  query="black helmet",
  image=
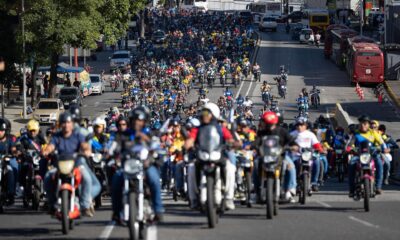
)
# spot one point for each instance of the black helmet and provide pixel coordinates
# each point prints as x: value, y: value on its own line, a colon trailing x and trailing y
x: 3, y: 125
x: 352, y: 128
x: 138, y: 113
x: 241, y: 121
x: 75, y: 112
x: 364, y: 118
x: 65, y: 117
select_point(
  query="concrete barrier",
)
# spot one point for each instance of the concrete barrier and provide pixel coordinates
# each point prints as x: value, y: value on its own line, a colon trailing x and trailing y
x: 342, y: 118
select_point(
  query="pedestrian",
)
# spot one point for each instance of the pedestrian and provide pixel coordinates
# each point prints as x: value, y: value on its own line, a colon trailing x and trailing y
x: 77, y: 83
x: 46, y: 85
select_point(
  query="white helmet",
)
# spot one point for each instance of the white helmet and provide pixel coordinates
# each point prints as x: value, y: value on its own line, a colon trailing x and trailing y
x: 99, y: 121
x: 194, y: 122
x: 213, y: 108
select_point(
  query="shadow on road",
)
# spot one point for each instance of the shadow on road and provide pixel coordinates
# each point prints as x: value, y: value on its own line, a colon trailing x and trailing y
x: 12, y: 232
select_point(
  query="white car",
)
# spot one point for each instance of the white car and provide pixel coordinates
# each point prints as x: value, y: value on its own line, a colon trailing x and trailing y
x: 306, y: 35
x: 98, y: 86
x: 268, y: 22
x: 120, y: 59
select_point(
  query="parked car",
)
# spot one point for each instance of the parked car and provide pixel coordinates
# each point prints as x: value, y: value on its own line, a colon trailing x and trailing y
x: 306, y: 35
x: 120, y: 59
x: 268, y: 22
x: 98, y: 86
x: 159, y: 37
x: 70, y: 95
x: 48, y: 110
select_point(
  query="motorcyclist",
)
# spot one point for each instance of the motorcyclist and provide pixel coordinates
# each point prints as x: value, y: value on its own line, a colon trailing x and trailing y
x: 70, y: 141
x: 7, y: 147
x: 269, y: 127
x: 302, y: 101
x: 100, y: 139
x: 387, y: 157
x: 137, y: 130
x: 228, y: 92
x: 240, y: 100
x: 316, y: 91
x: 176, y: 149
x: 33, y: 139
x: 248, y: 103
x: 366, y: 134
x: 76, y: 115
x: 265, y: 87
x: 304, y: 138
x: 210, y: 115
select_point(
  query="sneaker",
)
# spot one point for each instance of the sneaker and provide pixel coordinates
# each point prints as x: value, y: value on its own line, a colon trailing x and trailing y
x: 314, y: 188
x: 386, y: 182
x: 159, y: 217
x: 351, y: 194
x: 118, y: 220
x: 87, y: 213
x: 229, y: 204
x: 378, y: 191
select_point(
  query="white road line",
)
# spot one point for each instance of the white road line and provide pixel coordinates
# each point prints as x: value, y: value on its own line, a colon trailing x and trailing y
x: 240, y: 89
x: 105, y: 234
x: 324, y: 204
x: 365, y: 223
x: 248, y: 90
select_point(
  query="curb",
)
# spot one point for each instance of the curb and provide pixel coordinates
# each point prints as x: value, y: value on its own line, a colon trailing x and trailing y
x: 392, y: 95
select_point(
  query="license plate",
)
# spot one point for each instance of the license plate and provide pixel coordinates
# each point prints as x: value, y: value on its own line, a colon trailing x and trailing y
x: 44, y: 119
x: 66, y: 104
x: 368, y: 71
x: 339, y: 151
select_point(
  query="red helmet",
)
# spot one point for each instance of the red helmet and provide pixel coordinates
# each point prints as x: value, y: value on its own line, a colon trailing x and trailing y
x: 270, y: 118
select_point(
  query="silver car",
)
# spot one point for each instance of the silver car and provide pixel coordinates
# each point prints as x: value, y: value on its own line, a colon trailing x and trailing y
x: 98, y: 86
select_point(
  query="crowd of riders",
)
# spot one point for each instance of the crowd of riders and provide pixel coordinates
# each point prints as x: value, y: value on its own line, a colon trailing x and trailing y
x: 189, y: 145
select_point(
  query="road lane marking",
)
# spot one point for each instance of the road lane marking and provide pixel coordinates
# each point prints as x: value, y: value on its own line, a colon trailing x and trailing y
x: 324, y: 204
x: 240, y: 89
x: 365, y: 223
x: 105, y: 234
x: 248, y: 90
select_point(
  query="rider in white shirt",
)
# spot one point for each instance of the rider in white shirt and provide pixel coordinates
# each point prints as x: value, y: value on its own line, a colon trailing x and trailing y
x: 248, y: 103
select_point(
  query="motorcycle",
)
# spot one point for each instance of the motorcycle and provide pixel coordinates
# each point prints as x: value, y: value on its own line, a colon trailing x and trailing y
x: 68, y: 179
x: 33, y: 189
x: 365, y: 176
x: 257, y: 75
x: 315, y: 99
x: 4, y: 175
x: 243, y: 173
x: 209, y: 155
x: 270, y: 154
x: 246, y: 71
x: 266, y: 96
x: 114, y: 85
x: 223, y: 79
x: 339, y: 164
x: 304, y: 174
x: 138, y: 212
x: 97, y: 165
x: 282, y: 90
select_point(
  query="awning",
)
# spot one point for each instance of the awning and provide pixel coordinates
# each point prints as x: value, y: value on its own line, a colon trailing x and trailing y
x: 62, y: 68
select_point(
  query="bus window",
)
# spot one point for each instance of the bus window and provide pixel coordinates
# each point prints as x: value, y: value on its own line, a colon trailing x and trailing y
x: 368, y: 54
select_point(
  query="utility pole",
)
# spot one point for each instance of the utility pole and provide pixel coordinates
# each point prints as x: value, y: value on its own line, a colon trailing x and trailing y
x: 2, y: 68
x: 23, y: 58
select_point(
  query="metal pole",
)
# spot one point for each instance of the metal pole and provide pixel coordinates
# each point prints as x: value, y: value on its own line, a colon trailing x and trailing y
x: 361, y: 18
x: 23, y: 59
x: 386, y: 16
x: 2, y: 100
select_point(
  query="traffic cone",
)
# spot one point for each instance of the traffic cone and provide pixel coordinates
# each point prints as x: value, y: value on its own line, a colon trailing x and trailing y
x: 361, y: 95
x: 380, y: 98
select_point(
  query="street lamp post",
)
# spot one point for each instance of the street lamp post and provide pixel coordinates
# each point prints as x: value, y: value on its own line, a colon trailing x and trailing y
x: 23, y: 59
x: 2, y: 67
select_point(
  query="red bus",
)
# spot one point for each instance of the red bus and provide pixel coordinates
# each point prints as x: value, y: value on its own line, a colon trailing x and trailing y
x: 340, y: 45
x: 358, y: 39
x: 365, y: 63
x: 328, y: 38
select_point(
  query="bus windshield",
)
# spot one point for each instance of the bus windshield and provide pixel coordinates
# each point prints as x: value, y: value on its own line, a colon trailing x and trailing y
x: 319, y: 19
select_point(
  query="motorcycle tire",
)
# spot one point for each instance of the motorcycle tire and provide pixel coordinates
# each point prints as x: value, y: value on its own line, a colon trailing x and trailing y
x: 270, y: 198
x: 276, y: 196
x: 98, y: 201
x: 132, y: 223
x: 248, y: 189
x: 65, y: 211
x: 211, y: 208
x: 304, y: 189
x: 367, y: 194
x: 340, y: 173
x: 36, y: 199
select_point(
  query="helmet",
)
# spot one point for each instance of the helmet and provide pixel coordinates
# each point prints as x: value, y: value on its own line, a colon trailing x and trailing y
x: 352, y: 128
x: 138, y: 113
x: 65, y: 117
x: 301, y: 120
x: 193, y: 122
x: 375, y: 122
x: 99, y: 121
x: 3, y: 125
x: 364, y: 118
x: 265, y: 82
x: 270, y: 118
x: 247, y: 97
x: 241, y: 121
x: 75, y: 112
x: 213, y: 108
x: 32, y: 125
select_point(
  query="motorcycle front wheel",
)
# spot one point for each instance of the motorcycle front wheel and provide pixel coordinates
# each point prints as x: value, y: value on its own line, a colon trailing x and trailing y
x: 270, y: 198
x: 65, y: 211
x: 248, y: 188
x: 211, y: 208
x: 367, y: 194
x: 133, y: 224
x: 304, y: 189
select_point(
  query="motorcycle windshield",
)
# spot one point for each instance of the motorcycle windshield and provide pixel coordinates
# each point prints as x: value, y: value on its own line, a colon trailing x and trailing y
x: 209, y: 139
x: 270, y: 146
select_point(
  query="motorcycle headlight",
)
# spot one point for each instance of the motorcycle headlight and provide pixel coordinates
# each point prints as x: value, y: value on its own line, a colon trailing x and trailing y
x: 97, y: 157
x: 269, y: 159
x: 133, y: 166
x: 306, y: 156
x: 65, y: 167
x: 74, y: 101
x: 365, y: 158
x: 203, y: 155
x: 215, y: 156
x: 36, y: 161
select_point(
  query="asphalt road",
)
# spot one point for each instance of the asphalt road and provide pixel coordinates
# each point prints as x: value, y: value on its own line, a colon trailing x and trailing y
x: 329, y: 214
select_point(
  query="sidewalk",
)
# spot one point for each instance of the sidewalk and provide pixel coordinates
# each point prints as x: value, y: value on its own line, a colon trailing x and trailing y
x: 14, y: 113
x: 393, y: 89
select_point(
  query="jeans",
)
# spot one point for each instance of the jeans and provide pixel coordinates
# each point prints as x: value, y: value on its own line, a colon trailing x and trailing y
x: 315, y: 171
x: 324, y: 160
x: 231, y: 156
x: 153, y: 181
x: 90, y: 186
x: 289, y: 167
x: 386, y: 167
x: 378, y: 172
x: 179, y: 175
x: 12, y: 176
